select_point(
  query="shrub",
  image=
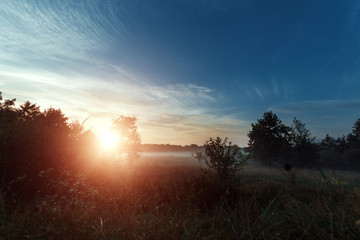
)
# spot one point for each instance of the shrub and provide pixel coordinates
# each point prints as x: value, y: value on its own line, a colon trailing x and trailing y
x: 222, y: 158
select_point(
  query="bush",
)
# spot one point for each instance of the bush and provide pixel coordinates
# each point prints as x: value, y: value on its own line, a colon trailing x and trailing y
x: 222, y: 158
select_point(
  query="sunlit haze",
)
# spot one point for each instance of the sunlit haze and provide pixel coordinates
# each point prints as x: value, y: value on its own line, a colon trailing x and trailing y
x: 187, y: 70
x: 109, y: 140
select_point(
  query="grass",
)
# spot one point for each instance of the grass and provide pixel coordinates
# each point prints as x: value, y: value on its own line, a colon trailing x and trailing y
x: 178, y: 202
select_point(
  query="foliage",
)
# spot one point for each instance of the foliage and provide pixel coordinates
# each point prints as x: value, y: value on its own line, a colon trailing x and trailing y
x: 223, y: 158
x: 304, y: 150
x: 343, y: 152
x: 354, y: 137
x: 130, y: 144
x: 32, y: 141
x: 269, y: 140
x: 300, y: 134
x: 331, y: 152
x: 328, y: 143
x: 341, y: 144
x: 272, y: 142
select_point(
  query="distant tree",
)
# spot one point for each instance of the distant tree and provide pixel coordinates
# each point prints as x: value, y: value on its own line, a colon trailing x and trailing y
x: 350, y: 158
x: 269, y: 140
x: 222, y: 158
x: 131, y: 143
x: 328, y: 143
x: 341, y: 144
x: 300, y: 134
x: 303, y: 147
x: 332, y: 152
x: 354, y: 137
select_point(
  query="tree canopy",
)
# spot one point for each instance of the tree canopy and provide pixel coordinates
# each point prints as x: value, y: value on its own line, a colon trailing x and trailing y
x: 130, y: 144
x: 354, y: 137
x: 32, y: 141
x: 269, y: 140
x: 304, y: 150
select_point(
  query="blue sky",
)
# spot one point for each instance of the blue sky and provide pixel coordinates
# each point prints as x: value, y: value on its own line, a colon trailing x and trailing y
x: 186, y: 69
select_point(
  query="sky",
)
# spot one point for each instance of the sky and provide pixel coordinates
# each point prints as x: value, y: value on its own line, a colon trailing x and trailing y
x: 186, y: 69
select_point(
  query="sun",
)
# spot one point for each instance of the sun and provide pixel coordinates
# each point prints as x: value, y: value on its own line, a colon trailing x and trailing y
x: 109, y: 140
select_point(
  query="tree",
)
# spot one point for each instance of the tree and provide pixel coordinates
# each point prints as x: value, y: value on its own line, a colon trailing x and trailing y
x: 33, y: 141
x: 300, y: 134
x: 328, y: 143
x: 130, y: 144
x: 269, y: 140
x: 354, y: 137
x: 303, y: 147
x: 341, y: 144
x: 223, y: 158
x: 332, y: 151
x: 351, y: 155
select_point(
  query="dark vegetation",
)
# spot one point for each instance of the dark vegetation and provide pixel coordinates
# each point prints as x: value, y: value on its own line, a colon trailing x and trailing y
x: 273, y: 144
x: 54, y: 185
x: 222, y: 159
x: 170, y: 148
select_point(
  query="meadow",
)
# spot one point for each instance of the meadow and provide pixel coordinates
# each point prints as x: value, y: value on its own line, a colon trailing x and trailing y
x: 159, y: 200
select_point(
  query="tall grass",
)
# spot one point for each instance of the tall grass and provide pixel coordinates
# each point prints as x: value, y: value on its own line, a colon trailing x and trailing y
x: 157, y: 202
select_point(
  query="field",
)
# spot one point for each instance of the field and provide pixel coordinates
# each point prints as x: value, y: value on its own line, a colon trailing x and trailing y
x: 160, y: 200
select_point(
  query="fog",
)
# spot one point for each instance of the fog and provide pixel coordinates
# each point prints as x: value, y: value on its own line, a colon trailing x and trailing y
x: 169, y: 158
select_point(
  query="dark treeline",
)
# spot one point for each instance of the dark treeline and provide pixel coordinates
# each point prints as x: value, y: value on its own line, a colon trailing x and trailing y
x: 35, y: 144
x: 273, y: 143
x: 169, y: 148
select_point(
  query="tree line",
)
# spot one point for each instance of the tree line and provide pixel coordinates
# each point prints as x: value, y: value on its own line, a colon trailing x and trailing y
x: 169, y: 148
x: 37, y: 145
x: 273, y: 143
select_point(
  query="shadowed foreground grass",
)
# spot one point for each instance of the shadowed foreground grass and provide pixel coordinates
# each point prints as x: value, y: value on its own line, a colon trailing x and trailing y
x: 180, y: 203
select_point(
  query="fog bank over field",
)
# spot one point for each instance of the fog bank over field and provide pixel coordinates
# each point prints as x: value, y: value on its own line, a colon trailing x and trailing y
x: 177, y: 158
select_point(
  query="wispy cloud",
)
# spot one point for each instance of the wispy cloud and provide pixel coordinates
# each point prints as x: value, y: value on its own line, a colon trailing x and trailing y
x: 56, y: 31
x: 315, y: 105
x: 169, y: 109
x: 275, y: 87
x: 259, y: 93
x: 50, y: 60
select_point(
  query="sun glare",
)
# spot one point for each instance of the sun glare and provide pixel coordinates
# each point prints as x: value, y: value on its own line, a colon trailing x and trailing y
x: 109, y: 140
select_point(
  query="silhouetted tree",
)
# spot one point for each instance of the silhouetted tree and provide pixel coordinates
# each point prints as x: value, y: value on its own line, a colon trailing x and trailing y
x: 328, y: 143
x: 350, y: 158
x: 354, y: 137
x: 269, y: 140
x: 303, y: 147
x: 332, y: 152
x: 130, y: 144
x: 341, y: 144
